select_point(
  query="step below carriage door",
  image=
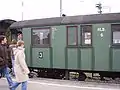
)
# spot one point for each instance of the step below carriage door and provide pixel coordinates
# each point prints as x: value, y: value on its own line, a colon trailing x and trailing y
x: 41, y: 46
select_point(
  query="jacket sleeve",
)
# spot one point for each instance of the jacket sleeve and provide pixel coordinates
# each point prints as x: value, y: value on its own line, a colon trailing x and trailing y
x: 2, y: 62
x: 0, y: 54
x: 9, y: 59
x: 1, y: 59
x: 22, y: 62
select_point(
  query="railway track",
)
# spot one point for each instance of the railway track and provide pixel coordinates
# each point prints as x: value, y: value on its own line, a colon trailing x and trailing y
x: 106, y: 80
x: 97, y: 79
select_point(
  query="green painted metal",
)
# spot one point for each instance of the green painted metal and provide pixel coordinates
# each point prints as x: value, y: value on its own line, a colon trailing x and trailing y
x: 86, y: 58
x: 59, y: 44
x: 98, y: 57
x: 93, y: 58
x: 110, y: 58
x: 27, y: 40
x: 72, y: 58
x: 51, y: 57
x: 66, y: 57
x: 101, y: 43
x: 116, y: 59
x: 31, y: 61
x: 79, y: 58
x: 41, y: 61
x: 79, y: 35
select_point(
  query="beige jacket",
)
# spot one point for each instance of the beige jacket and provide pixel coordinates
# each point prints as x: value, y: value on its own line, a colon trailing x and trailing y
x: 20, y: 67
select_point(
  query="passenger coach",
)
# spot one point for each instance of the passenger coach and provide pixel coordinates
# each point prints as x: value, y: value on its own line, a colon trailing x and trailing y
x: 84, y: 43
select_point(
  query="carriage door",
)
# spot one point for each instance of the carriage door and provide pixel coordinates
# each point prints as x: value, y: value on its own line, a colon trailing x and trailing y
x: 115, y: 49
x: 41, y: 43
x: 101, y: 44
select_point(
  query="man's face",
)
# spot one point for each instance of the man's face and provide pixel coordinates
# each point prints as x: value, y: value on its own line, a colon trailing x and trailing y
x: 20, y: 36
x: 4, y: 41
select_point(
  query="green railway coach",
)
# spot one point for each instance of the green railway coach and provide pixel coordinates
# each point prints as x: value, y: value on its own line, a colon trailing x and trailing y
x: 84, y: 43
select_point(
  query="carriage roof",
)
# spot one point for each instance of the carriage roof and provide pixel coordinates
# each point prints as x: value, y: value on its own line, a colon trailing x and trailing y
x: 80, y: 19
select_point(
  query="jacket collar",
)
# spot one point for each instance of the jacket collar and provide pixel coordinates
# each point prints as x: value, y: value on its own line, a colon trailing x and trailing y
x: 21, y: 48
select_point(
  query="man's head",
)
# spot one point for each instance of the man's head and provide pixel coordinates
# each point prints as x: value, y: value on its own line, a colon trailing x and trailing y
x: 3, y: 39
x: 19, y: 36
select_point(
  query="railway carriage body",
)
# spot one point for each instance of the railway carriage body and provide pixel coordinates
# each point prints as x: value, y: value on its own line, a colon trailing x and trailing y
x: 86, y: 43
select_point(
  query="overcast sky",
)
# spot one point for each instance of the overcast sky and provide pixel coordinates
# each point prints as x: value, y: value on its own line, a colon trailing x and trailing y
x: 36, y: 9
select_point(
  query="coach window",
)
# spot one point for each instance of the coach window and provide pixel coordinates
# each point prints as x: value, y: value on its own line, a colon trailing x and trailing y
x: 86, y: 34
x: 41, y: 36
x: 72, y: 35
x: 116, y: 34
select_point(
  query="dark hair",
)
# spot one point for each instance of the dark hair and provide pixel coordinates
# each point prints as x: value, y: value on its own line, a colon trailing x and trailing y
x: 19, y: 32
x: 1, y: 38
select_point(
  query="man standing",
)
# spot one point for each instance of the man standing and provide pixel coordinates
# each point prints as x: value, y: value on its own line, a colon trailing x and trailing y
x: 5, y: 61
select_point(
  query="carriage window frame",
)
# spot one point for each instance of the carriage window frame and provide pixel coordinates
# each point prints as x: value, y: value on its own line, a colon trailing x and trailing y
x: 76, y: 35
x: 41, y: 45
x: 82, y: 31
x: 113, y: 26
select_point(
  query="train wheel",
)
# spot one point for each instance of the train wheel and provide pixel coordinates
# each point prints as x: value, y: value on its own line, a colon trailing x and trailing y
x: 82, y: 76
x: 33, y: 75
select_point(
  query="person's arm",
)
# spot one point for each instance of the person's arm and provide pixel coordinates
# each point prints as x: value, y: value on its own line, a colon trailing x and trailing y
x: 2, y: 62
x: 9, y: 58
